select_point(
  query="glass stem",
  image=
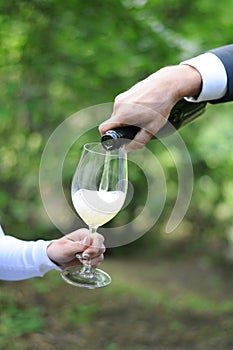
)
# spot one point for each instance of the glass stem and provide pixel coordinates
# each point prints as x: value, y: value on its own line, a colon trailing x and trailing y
x: 87, y: 268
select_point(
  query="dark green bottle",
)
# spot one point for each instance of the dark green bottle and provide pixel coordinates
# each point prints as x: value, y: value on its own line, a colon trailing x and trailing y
x: 181, y: 114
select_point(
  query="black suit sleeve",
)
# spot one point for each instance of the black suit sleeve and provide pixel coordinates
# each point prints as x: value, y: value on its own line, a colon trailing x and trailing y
x: 225, y: 54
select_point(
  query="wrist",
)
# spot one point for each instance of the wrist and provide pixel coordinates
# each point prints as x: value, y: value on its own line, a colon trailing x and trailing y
x: 183, y: 81
x: 50, y: 254
x: 189, y: 82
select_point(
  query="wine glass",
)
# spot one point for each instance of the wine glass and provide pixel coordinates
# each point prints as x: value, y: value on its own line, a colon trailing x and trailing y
x: 98, y: 192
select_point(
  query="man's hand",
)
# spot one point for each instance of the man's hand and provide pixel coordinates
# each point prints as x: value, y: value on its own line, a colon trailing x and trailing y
x: 149, y: 103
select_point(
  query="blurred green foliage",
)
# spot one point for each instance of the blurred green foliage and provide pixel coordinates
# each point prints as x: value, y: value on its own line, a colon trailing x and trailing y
x: 57, y: 58
x: 81, y: 314
x: 17, y: 320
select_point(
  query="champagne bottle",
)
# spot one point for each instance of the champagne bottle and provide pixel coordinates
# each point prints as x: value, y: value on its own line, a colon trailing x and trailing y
x: 181, y: 114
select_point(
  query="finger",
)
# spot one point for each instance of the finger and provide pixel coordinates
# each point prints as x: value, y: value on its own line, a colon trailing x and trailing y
x: 139, y: 141
x: 96, y: 240
x: 94, y: 251
x: 95, y: 262
x: 78, y: 235
x: 111, y: 123
x: 79, y: 246
x: 123, y: 114
x: 75, y: 248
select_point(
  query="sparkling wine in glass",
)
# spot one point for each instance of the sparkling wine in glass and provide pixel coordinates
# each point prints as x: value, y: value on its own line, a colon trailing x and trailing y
x: 98, y: 193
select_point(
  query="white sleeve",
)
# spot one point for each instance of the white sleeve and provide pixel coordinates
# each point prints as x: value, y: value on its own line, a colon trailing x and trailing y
x: 23, y: 259
x: 214, y: 77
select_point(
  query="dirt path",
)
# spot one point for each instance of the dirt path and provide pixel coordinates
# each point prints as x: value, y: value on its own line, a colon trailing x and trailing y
x: 164, y: 305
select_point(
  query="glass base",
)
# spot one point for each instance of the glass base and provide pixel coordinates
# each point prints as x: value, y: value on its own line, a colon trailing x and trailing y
x: 97, y: 279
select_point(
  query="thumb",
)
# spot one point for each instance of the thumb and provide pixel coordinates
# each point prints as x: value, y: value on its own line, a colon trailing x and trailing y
x: 109, y: 124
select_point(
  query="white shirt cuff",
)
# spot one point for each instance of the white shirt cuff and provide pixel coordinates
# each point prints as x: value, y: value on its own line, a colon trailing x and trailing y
x: 214, y: 77
x: 23, y: 259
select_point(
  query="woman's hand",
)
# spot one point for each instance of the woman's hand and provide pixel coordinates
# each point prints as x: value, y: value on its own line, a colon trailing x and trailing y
x: 63, y: 251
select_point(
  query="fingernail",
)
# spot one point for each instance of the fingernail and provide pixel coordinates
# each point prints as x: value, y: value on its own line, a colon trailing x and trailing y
x: 79, y: 257
x: 86, y: 256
